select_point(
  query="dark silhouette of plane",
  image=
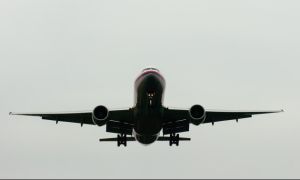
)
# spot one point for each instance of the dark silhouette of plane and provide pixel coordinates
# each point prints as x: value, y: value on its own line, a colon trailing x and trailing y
x: 148, y: 117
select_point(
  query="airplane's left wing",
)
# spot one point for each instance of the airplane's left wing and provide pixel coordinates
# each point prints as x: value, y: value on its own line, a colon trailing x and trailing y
x: 178, y: 120
x: 213, y: 116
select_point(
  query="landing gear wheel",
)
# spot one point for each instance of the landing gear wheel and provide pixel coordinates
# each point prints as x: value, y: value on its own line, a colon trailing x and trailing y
x: 122, y: 139
x: 174, y: 139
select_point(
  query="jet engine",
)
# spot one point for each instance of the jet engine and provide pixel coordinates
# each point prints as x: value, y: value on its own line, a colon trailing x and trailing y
x: 197, y: 114
x: 100, y: 115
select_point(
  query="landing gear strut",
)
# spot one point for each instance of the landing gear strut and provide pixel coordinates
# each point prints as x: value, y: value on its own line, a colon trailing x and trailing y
x: 174, y: 139
x: 122, y: 139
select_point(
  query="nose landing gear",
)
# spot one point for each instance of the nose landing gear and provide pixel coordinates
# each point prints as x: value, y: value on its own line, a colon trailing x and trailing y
x: 150, y: 97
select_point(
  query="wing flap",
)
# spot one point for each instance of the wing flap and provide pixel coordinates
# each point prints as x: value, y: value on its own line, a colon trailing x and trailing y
x: 176, y: 126
x: 119, y: 127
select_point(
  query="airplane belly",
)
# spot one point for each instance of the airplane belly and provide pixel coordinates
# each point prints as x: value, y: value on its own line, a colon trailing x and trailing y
x: 148, y: 126
x: 145, y: 139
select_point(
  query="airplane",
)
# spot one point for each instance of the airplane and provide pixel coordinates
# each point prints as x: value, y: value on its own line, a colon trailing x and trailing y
x: 145, y: 121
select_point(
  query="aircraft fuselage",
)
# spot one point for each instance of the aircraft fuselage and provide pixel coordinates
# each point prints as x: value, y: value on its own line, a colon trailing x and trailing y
x: 148, y: 110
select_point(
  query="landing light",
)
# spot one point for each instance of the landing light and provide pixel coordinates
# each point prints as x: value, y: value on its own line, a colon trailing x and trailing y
x: 150, y: 95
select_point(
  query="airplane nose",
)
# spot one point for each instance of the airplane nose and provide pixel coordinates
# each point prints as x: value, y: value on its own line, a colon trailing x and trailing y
x: 152, y: 77
x: 152, y: 82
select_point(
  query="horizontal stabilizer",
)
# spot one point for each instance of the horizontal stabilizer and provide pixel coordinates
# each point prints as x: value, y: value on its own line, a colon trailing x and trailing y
x: 168, y: 139
x: 116, y: 139
x: 133, y: 139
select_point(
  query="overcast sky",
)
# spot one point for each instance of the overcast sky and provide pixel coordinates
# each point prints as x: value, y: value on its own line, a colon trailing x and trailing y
x: 71, y: 55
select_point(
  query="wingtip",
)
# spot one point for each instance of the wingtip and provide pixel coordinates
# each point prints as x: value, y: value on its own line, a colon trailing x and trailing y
x: 13, y: 113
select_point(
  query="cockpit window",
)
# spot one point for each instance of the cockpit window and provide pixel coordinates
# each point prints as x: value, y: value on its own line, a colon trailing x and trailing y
x: 150, y: 69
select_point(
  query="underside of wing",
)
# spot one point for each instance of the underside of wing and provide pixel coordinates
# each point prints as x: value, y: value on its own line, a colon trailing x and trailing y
x: 72, y: 117
x: 178, y: 120
x: 216, y: 116
x: 118, y: 121
x: 175, y: 121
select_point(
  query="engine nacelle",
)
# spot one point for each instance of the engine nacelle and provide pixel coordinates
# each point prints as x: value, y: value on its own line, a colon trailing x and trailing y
x: 100, y: 115
x: 197, y: 114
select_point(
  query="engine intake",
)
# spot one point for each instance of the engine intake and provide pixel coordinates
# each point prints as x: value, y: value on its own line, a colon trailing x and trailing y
x: 100, y: 115
x: 197, y: 114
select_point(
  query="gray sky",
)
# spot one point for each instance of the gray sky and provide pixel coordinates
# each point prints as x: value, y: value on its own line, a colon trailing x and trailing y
x: 74, y: 55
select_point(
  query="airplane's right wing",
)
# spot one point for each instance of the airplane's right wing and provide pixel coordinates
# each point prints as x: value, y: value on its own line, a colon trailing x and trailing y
x: 119, y: 121
x: 71, y: 117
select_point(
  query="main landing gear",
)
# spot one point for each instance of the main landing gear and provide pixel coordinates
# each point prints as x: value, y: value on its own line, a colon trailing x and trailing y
x: 122, y: 140
x: 174, y: 139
